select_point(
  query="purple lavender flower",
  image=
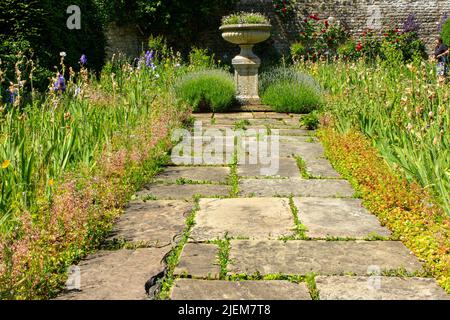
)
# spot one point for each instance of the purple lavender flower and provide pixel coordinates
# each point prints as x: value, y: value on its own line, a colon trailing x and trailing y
x: 444, y: 18
x: 410, y: 24
x: 83, y: 60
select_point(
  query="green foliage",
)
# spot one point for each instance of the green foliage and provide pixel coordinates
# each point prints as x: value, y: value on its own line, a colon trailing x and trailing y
x: 404, y: 207
x: 180, y: 21
x: 401, y: 109
x: 348, y: 50
x: 285, y: 9
x: 298, y: 50
x: 39, y: 28
x: 393, y: 45
x: 321, y: 38
x: 211, y: 89
x: 63, y: 185
x: 445, y: 33
x: 288, y: 90
x: 201, y: 59
x: 245, y: 18
x: 310, y: 121
x: 291, y: 97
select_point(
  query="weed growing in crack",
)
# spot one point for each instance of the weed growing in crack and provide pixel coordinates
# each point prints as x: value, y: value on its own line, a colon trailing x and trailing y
x: 223, y: 254
x: 302, y: 167
x: 299, y: 227
x: 310, y: 279
x: 173, y: 257
x: 234, y: 178
x: 241, y: 124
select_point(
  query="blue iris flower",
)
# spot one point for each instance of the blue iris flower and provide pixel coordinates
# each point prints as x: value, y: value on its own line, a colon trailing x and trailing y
x: 83, y: 60
x: 60, y: 84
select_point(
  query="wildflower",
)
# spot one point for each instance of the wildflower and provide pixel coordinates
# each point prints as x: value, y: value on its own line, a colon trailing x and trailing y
x: 157, y: 76
x: 11, y: 95
x: 359, y: 47
x: 431, y: 114
x: 6, y: 164
x: 83, y: 60
x: 51, y: 182
x: 60, y: 84
x: 436, y: 140
x: 77, y: 92
x: 149, y: 59
x: 63, y: 54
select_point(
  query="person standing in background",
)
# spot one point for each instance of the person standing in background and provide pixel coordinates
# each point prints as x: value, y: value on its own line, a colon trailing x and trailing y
x: 441, y: 56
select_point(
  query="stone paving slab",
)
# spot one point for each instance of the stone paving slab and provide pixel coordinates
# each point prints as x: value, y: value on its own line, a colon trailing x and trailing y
x: 296, y: 187
x: 306, y: 150
x: 156, y: 223
x: 213, y: 174
x: 117, y: 275
x: 295, y: 132
x: 253, y: 218
x: 226, y: 143
x: 280, y: 167
x: 184, y: 192
x: 188, y: 289
x: 321, y: 168
x: 273, y: 123
x: 322, y: 257
x: 199, y: 260
x: 206, y: 160
x: 296, y: 139
x: 337, y: 218
x: 254, y: 108
x: 379, y: 288
x: 272, y: 115
x: 234, y: 115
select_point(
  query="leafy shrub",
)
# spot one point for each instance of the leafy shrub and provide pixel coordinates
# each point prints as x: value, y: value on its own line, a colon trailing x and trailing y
x: 287, y: 90
x: 310, y: 121
x: 445, y: 33
x: 321, y: 38
x: 171, y: 19
x: 405, y: 46
x: 245, y: 18
x: 291, y: 97
x: 284, y: 8
x: 348, y: 50
x: 38, y: 29
x: 201, y: 59
x: 298, y: 50
x: 208, y: 89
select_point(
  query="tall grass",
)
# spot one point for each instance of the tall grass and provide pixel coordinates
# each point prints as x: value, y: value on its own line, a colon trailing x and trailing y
x: 402, y: 108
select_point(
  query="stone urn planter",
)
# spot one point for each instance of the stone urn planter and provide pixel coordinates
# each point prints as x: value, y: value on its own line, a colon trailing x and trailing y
x: 246, y: 64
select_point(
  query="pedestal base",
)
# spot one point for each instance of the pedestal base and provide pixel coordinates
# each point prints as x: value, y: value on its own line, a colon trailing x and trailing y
x: 246, y: 66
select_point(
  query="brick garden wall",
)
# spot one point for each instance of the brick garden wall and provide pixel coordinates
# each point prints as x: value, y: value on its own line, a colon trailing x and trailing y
x: 356, y: 15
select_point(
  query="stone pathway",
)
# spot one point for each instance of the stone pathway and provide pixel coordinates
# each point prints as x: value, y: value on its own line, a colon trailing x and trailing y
x: 296, y: 232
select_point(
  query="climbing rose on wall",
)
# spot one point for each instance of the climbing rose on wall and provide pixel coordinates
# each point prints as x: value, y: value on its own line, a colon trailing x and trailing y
x: 284, y: 8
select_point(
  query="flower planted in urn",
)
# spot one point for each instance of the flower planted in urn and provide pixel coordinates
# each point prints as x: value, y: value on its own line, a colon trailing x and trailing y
x: 246, y: 30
